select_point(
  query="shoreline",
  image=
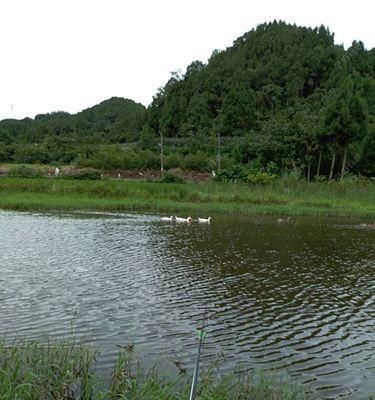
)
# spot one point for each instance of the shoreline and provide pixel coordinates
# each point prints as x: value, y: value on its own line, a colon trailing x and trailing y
x: 198, y: 198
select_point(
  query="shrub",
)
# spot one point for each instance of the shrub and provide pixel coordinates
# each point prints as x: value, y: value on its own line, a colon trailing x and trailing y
x: 352, y: 179
x: 146, y: 160
x: 237, y: 172
x: 107, y: 157
x: 85, y: 174
x: 197, y: 162
x: 173, y: 161
x: 320, y: 178
x: 262, y: 178
x: 24, y: 171
x: 31, y: 154
x: 172, y: 178
x: 243, y: 174
x: 113, y: 157
x: 5, y: 153
x: 291, y: 177
x: 272, y: 168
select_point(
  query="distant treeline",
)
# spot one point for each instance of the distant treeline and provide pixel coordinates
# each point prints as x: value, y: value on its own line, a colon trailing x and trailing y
x: 281, y: 98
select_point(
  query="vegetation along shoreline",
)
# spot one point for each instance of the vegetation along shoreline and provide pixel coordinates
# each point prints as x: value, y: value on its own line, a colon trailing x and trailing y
x: 66, y: 370
x: 284, y: 196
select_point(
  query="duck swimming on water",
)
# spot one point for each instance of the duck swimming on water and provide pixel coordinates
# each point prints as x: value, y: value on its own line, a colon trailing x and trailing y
x: 187, y: 220
x: 283, y: 220
x: 367, y: 225
x: 205, y: 220
x: 171, y: 218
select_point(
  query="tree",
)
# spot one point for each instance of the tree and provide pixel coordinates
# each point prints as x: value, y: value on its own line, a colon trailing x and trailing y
x: 272, y: 96
x: 238, y: 113
x: 309, y: 127
x: 346, y: 120
x: 367, y: 161
x: 5, y: 136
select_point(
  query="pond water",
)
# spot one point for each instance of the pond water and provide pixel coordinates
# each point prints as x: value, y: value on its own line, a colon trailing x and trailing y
x: 296, y: 297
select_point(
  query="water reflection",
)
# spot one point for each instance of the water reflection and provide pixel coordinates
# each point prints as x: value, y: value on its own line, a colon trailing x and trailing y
x: 298, y: 295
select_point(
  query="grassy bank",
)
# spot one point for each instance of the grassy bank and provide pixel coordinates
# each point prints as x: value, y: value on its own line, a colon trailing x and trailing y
x: 64, y: 370
x: 286, y: 197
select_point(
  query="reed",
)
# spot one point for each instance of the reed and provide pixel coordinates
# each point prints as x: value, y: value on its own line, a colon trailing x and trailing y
x: 49, y: 369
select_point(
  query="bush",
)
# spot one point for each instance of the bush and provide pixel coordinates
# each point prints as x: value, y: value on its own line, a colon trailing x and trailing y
x: 354, y: 180
x: 272, y: 168
x: 291, y: 177
x: 262, y: 178
x: 5, y: 153
x: 197, y: 162
x: 173, y: 161
x: 31, y: 154
x: 113, y: 157
x: 85, y: 174
x: 145, y: 160
x: 235, y: 173
x: 23, y: 171
x: 320, y: 178
x: 246, y: 175
x: 106, y: 157
x: 172, y: 178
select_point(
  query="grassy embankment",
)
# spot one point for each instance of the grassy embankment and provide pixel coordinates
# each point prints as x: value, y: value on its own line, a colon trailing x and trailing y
x: 201, y: 198
x: 64, y: 370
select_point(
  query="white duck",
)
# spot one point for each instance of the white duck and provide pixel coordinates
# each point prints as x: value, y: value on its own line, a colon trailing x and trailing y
x: 205, y: 220
x: 171, y: 218
x: 367, y: 225
x: 188, y: 219
x: 283, y: 220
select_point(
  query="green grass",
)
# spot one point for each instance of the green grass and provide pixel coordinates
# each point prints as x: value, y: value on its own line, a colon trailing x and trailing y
x: 283, y: 197
x: 64, y: 370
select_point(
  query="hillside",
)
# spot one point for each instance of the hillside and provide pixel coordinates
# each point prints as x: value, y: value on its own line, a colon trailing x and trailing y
x: 60, y: 137
x: 113, y: 120
x: 288, y: 94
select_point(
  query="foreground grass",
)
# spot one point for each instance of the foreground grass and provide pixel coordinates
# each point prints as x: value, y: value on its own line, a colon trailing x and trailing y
x: 64, y: 370
x: 283, y: 197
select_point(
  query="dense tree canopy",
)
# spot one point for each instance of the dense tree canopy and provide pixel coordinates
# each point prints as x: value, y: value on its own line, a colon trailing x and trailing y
x: 281, y: 97
x: 113, y: 120
x: 288, y: 94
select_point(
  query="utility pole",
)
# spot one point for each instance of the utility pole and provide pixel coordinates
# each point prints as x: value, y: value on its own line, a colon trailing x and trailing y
x: 161, y: 155
x: 218, y: 153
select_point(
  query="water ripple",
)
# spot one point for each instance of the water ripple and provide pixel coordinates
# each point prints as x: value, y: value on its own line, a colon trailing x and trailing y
x: 299, y: 296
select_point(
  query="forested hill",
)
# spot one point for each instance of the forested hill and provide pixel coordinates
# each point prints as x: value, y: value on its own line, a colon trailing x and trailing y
x: 290, y: 93
x: 265, y: 71
x: 113, y: 120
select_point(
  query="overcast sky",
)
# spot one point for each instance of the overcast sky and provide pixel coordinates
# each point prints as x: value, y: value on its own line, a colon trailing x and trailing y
x: 71, y: 54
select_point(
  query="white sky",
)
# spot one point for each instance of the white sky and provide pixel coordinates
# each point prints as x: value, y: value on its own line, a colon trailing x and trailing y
x: 71, y: 54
